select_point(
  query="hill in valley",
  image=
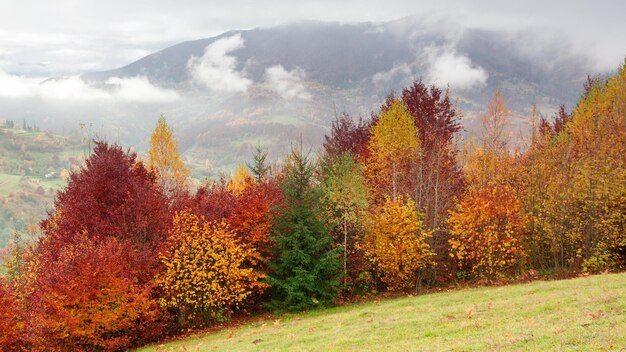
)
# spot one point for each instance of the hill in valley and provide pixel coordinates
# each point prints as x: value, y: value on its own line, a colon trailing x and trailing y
x: 33, y: 166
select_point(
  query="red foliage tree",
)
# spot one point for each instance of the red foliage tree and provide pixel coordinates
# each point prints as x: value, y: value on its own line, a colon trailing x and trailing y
x: 214, y: 202
x: 96, y: 260
x: 113, y: 195
x: 348, y: 136
x: 561, y: 118
x: 435, y: 117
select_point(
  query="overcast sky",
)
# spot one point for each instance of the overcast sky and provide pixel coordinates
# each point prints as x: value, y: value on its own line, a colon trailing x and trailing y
x: 44, y: 38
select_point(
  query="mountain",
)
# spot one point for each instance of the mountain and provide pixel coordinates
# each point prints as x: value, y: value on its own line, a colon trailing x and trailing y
x: 273, y: 85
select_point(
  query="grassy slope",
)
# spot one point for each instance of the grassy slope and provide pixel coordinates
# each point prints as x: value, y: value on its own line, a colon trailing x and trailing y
x: 579, y: 314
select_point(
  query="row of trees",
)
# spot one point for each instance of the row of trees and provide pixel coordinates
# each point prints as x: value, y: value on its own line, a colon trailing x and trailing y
x: 131, y: 253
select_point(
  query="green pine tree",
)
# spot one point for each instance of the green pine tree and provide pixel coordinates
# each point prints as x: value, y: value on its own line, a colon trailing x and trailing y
x: 259, y: 168
x: 307, y: 268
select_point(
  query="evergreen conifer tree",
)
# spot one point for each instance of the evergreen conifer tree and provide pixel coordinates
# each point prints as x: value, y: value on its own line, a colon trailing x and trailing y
x: 307, y: 268
x: 259, y: 168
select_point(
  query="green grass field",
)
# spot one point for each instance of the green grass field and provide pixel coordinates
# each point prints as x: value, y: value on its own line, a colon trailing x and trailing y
x: 584, y: 314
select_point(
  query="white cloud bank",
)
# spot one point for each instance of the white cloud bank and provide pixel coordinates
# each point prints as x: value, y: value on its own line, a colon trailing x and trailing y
x: 446, y: 66
x: 439, y: 65
x: 400, y: 72
x: 288, y: 84
x: 140, y: 89
x: 216, y: 70
x: 74, y: 88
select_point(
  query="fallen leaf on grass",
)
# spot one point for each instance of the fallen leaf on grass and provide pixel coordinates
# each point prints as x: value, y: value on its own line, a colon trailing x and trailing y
x: 597, y: 315
x: 470, y: 312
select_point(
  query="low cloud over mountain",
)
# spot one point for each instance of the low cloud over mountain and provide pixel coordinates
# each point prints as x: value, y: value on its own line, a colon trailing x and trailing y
x: 279, y: 82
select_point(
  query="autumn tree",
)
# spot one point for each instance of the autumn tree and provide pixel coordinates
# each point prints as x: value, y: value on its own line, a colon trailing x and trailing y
x: 205, y: 278
x: 439, y: 178
x: 243, y: 203
x: 348, y: 136
x: 164, y: 160
x: 396, y: 243
x: 213, y: 201
x: 392, y: 148
x: 489, y: 160
x: 306, y: 268
x: 578, y: 214
x: 240, y: 180
x: 12, y: 320
x: 113, y: 195
x: 344, y: 197
x: 91, y: 300
x: 487, y: 231
x: 494, y: 123
x: 251, y: 218
x: 561, y: 118
x: 94, y: 264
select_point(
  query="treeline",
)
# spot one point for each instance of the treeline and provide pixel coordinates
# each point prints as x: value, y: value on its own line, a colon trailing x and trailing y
x: 10, y: 124
x: 393, y: 203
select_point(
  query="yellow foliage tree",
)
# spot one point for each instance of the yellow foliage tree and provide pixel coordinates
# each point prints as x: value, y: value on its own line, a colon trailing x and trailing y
x: 393, y: 147
x: 241, y: 179
x: 578, y: 205
x: 164, y: 159
x: 205, y: 278
x: 396, y: 244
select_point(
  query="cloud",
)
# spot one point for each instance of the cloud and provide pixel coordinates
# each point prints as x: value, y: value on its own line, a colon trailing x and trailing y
x: 16, y: 86
x: 288, y: 84
x: 70, y: 89
x: 139, y: 89
x: 74, y: 88
x: 401, y: 71
x: 216, y: 70
x: 439, y: 65
x: 446, y: 66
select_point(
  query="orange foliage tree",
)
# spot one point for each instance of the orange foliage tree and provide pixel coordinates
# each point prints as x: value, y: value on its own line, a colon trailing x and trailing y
x: 91, y: 301
x: 486, y: 231
x: 396, y: 244
x: 251, y: 216
x: 204, y: 277
x: 12, y: 324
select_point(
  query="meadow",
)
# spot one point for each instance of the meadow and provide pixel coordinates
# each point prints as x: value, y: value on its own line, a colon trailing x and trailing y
x: 587, y: 313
